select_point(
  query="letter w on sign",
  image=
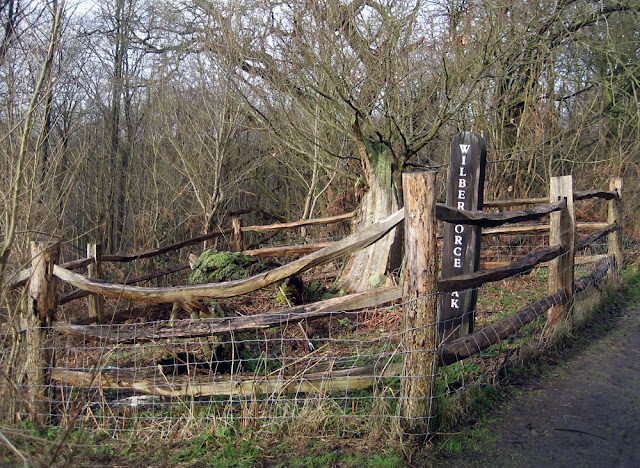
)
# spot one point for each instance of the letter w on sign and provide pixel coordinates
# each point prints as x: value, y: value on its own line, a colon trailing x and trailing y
x: 461, y: 245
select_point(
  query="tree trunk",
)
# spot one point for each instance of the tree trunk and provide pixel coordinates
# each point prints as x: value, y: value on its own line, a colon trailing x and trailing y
x: 367, y: 268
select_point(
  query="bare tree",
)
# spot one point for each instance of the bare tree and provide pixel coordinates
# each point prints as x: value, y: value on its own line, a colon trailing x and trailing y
x: 359, y: 67
x: 19, y: 167
x: 202, y: 122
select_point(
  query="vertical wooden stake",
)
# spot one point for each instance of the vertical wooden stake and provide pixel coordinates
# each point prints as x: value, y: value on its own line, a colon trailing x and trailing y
x: 420, y: 305
x: 238, y: 242
x: 614, y: 241
x: 562, y: 232
x: 95, y: 301
x: 40, y: 313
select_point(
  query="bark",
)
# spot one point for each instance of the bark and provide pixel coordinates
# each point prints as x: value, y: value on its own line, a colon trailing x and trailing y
x: 237, y: 287
x: 38, y: 316
x: 420, y: 305
x: 220, y: 326
x: 194, y: 386
x: 366, y: 269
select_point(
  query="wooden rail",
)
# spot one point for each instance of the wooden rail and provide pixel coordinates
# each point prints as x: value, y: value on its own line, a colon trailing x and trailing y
x: 473, y: 280
x: 338, y: 379
x: 233, y: 288
x: 418, y: 298
x: 220, y: 326
x: 485, y: 219
x: 469, y: 345
x: 577, y: 195
x: 200, y: 239
x: 77, y: 294
x: 205, y: 385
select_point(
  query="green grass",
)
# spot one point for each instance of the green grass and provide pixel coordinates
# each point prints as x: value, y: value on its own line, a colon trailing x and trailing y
x: 325, y: 454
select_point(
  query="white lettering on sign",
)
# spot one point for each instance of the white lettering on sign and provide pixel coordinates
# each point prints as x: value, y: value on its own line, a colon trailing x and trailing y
x: 461, y: 204
x: 455, y: 303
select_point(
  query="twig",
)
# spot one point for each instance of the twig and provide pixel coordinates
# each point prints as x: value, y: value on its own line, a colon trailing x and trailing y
x: 580, y: 432
x: 304, y: 332
x: 8, y: 443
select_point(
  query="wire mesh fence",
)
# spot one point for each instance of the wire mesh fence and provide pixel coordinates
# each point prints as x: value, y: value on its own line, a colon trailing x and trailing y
x: 340, y: 374
x: 244, y: 361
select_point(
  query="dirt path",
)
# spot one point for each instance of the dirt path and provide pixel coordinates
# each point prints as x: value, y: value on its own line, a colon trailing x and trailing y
x: 585, y: 413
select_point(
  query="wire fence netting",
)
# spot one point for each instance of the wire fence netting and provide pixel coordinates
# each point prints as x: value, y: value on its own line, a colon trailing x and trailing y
x: 342, y: 373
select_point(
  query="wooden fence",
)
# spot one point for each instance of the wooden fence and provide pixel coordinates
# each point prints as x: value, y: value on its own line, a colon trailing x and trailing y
x: 422, y: 355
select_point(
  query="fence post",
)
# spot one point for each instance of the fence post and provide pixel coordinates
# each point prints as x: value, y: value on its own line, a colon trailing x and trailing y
x: 420, y: 305
x: 39, y: 314
x: 238, y: 242
x: 614, y: 241
x: 94, y: 270
x: 562, y: 232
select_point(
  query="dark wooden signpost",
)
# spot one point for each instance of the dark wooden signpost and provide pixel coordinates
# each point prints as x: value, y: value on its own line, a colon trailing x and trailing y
x: 461, y: 243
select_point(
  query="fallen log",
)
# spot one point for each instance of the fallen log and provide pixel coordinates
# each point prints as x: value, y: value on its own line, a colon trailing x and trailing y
x: 195, y: 386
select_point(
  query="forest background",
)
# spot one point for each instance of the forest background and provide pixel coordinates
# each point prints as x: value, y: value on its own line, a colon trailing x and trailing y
x: 136, y: 123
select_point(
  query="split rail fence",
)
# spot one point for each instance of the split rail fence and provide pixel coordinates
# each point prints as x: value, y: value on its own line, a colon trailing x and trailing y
x: 372, y: 360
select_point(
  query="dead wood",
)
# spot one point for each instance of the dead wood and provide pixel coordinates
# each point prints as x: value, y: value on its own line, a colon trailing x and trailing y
x: 79, y: 293
x: 194, y: 386
x: 234, y: 288
x: 220, y: 326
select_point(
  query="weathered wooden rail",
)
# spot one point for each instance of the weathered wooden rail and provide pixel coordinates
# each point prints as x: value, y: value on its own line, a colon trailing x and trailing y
x: 417, y: 296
